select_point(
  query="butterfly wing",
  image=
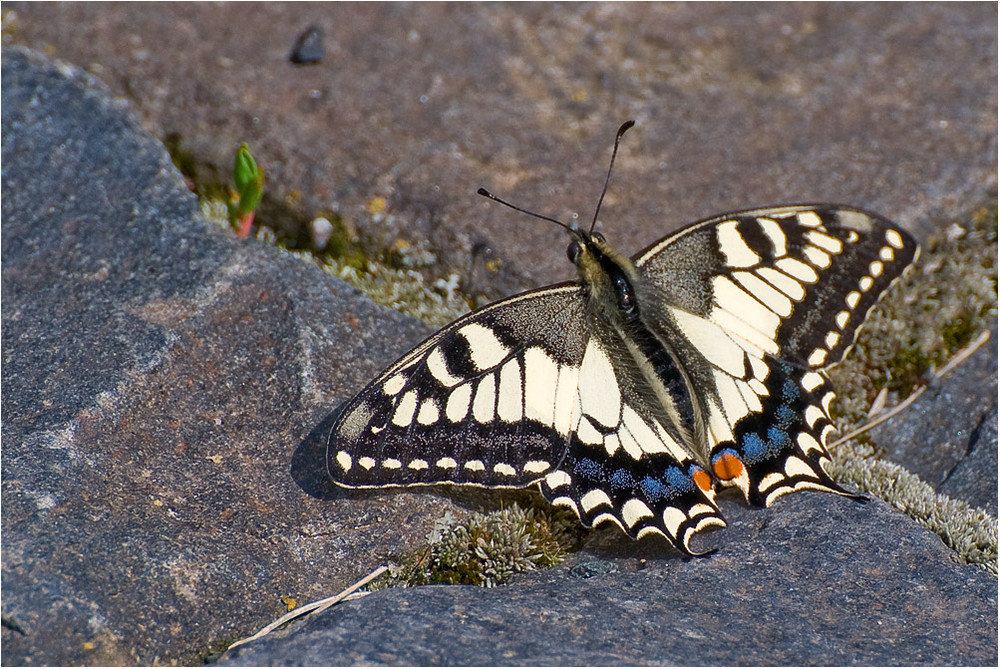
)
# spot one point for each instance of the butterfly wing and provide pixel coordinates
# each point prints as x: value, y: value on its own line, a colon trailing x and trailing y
x: 488, y: 400
x: 742, y: 314
x: 626, y: 464
x: 754, y: 305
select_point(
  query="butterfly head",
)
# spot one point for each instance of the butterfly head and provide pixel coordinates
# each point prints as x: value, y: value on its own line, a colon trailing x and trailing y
x: 609, y: 277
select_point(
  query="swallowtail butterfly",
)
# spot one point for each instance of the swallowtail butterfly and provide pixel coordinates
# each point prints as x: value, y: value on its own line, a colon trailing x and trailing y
x: 633, y: 393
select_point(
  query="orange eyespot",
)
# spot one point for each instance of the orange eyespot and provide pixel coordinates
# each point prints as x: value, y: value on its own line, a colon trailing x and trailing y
x: 702, y: 479
x: 728, y: 466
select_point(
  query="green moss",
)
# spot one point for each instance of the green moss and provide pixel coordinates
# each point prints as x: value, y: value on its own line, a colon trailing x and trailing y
x: 488, y: 548
x: 182, y: 158
x: 401, y: 288
x: 948, y: 298
x: 343, y: 246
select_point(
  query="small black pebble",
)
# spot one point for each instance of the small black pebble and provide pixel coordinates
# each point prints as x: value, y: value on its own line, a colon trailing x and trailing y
x: 308, y: 47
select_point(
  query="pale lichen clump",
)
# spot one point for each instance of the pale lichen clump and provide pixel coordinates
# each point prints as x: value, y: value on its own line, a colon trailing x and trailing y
x: 406, y: 291
x: 948, y: 298
x: 488, y: 548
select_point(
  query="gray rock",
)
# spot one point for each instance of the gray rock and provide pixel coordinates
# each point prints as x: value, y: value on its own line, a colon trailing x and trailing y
x: 816, y: 580
x: 948, y: 436
x: 974, y: 478
x: 308, y: 47
x: 161, y: 488
x: 888, y: 106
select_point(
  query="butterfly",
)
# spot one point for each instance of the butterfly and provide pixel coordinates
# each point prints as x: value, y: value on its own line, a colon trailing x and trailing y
x: 635, y: 393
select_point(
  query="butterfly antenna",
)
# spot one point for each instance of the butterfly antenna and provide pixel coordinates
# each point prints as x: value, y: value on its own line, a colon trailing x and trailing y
x: 487, y: 194
x: 618, y: 138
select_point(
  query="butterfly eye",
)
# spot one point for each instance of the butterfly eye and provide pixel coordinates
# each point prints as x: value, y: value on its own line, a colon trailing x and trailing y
x: 598, y: 237
x: 626, y: 297
x: 573, y: 251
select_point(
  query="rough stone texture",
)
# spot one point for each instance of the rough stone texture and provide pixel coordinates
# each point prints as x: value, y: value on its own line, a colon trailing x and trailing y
x: 974, y: 478
x: 161, y: 488
x: 782, y: 590
x: 166, y: 389
x: 888, y: 106
x: 948, y: 436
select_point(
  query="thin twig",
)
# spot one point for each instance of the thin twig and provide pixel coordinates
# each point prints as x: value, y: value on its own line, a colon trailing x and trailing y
x: 318, y: 606
x: 950, y: 365
x: 881, y: 419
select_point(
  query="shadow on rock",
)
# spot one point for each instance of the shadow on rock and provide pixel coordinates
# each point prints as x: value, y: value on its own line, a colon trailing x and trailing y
x: 308, y: 467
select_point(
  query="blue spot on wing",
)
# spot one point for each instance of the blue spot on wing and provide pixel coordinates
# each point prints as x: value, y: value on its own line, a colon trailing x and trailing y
x: 790, y: 389
x: 754, y: 448
x: 590, y: 469
x: 654, y: 489
x: 778, y: 440
x: 678, y: 480
x: 785, y: 416
x: 674, y: 482
x: 622, y: 479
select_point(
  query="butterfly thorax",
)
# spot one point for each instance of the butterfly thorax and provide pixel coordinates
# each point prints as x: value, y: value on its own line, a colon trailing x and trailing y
x: 616, y: 294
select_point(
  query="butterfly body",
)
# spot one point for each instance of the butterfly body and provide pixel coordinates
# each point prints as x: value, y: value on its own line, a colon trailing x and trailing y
x: 634, y: 393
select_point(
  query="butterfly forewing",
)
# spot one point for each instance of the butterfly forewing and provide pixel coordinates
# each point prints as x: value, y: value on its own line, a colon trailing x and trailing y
x: 488, y: 400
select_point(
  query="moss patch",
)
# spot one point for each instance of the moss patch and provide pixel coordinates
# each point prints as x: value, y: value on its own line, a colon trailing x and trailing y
x: 938, y: 308
x: 948, y: 298
x: 488, y: 548
x: 400, y: 286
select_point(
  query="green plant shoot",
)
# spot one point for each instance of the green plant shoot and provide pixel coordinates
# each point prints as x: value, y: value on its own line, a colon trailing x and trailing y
x: 249, y: 180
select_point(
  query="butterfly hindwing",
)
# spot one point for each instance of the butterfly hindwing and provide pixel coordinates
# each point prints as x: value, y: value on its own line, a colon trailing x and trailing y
x: 755, y: 305
x: 627, y: 463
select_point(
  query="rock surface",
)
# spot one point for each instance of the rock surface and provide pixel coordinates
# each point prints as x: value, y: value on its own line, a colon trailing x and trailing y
x: 161, y: 491
x: 886, y: 595
x: 166, y: 388
x: 888, y: 106
x: 949, y: 435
